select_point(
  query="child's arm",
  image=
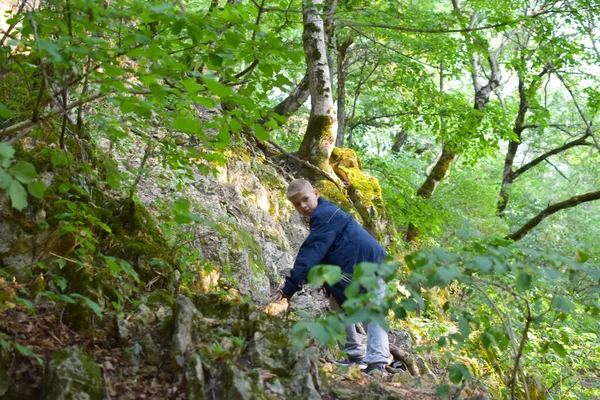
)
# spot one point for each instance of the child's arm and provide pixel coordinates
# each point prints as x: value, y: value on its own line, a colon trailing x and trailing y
x: 311, y: 253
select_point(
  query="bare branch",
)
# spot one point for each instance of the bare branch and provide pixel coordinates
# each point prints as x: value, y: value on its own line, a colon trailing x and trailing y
x: 551, y: 209
x: 579, y: 110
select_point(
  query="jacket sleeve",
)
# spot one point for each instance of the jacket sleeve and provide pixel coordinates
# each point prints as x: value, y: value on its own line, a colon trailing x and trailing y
x: 311, y: 253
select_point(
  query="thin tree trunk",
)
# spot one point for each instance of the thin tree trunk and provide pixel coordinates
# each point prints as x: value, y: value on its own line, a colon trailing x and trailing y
x: 342, y: 69
x: 319, y: 138
x: 508, y: 176
x: 551, y: 209
x: 399, y: 140
x: 436, y: 175
x: 513, y: 146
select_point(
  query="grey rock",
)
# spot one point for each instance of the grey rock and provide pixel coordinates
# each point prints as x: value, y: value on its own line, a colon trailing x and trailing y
x: 241, y: 387
x: 124, y: 328
x: 306, y: 380
x: 401, y: 339
x: 74, y: 375
x: 151, y: 352
x: 19, y: 261
x: 194, y: 378
x: 275, y: 388
x: 184, y: 313
x: 145, y: 316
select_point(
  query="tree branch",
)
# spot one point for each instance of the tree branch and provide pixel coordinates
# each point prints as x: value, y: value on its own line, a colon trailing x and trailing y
x: 554, y: 208
x: 23, y: 126
x: 579, y: 142
x: 579, y: 110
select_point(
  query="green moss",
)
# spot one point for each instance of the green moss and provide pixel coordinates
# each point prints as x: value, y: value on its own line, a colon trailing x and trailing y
x: 14, y: 94
x: 331, y: 192
x: 345, y: 158
x: 160, y: 297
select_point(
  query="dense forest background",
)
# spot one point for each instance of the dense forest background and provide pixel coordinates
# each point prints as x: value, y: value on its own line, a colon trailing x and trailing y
x: 460, y: 133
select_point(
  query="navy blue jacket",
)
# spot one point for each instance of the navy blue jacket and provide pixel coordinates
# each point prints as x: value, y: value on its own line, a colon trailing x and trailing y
x: 335, y: 238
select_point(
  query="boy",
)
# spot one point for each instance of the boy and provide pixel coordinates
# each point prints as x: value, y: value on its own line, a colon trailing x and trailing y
x: 336, y: 238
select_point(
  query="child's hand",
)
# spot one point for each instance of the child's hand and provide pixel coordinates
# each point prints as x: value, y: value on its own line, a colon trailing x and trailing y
x: 277, y: 296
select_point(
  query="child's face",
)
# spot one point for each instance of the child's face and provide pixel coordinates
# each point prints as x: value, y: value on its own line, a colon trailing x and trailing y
x: 305, y: 202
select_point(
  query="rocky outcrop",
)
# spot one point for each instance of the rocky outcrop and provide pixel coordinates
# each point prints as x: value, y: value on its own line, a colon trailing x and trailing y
x: 74, y: 375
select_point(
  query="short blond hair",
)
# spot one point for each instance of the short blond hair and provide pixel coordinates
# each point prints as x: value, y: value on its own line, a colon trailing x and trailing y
x: 296, y: 186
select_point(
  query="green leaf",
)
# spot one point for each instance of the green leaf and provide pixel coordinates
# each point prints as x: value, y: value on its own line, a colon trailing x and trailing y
x: 25, y: 351
x: 36, y: 189
x: 104, y: 226
x: 319, y: 332
x: 457, y: 372
x: 6, y: 151
x: 113, y: 179
x: 5, y: 113
x: 324, y: 273
x: 563, y: 304
x: 191, y: 86
x: 582, y: 256
x: 5, y: 179
x: 488, y: 340
x: 465, y: 328
x: 559, y: 349
x: 523, y: 281
x: 17, y: 195
x: 61, y: 282
x: 23, y: 171
x: 24, y: 302
x: 260, y: 132
x: 218, y: 88
x: 233, y: 38
x: 443, y: 391
x: 448, y: 274
x: 299, y: 335
x: 90, y: 303
x: 192, y: 126
x: 484, y: 264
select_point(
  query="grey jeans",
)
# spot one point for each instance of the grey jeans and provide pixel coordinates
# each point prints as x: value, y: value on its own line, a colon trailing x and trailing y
x: 378, y: 348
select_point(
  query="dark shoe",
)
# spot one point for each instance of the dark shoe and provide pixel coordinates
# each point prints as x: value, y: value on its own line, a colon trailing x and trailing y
x: 351, y: 361
x: 375, y: 367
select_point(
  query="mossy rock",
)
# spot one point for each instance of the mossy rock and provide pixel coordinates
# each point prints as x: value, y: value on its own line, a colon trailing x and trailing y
x: 74, y: 374
x: 159, y: 298
x: 347, y: 158
x: 330, y: 192
x: 368, y: 200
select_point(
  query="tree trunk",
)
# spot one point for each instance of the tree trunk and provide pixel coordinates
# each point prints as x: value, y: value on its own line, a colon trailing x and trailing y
x: 399, y: 141
x: 507, y: 175
x: 438, y: 172
x: 292, y: 103
x: 319, y: 138
x: 342, y: 70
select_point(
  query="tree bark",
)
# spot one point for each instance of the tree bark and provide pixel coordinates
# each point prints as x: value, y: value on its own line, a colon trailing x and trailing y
x: 551, y: 209
x: 319, y: 138
x: 292, y: 103
x: 342, y: 71
x: 513, y: 146
x: 508, y: 176
x: 399, y: 140
x: 438, y: 172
